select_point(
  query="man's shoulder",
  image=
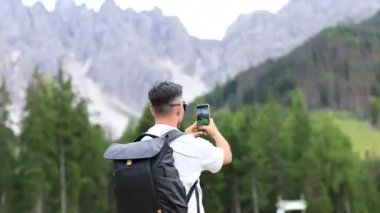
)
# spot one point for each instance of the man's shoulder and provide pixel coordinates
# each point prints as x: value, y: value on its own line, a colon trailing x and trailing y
x: 190, y: 145
x: 191, y: 140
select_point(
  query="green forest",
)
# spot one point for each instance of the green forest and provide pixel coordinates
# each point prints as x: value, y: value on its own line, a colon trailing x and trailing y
x: 290, y: 152
x: 55, y: 164
x: 304, y: 125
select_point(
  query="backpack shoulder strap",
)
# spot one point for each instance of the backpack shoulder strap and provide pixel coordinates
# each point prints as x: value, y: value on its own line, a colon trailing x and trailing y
x: 172, y: 135
x: 169, y: 136
x: 143, y: 135
x: 190, y: 193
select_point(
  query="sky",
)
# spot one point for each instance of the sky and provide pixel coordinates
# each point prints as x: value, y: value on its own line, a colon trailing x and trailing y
x: 205, y: 19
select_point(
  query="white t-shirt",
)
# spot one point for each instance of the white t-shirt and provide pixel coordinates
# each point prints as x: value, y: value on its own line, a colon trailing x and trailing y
x: 191, y: 157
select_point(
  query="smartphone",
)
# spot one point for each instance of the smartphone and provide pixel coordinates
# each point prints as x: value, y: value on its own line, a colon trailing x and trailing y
x: 203, y: 115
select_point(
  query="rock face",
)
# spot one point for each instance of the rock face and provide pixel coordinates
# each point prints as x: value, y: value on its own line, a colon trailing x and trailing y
x: 120, y: 54
x: 337, y: 70
x: 262, y: 35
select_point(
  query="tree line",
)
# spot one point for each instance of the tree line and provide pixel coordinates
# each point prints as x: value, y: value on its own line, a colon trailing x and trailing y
x: 55, y: 164
x: 284, y: 151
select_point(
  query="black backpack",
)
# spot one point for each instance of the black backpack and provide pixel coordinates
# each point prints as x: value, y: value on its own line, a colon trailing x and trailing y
x: 145, y: 179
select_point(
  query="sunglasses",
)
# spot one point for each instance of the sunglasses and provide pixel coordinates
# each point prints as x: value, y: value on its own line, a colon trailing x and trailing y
x: 183, y: 104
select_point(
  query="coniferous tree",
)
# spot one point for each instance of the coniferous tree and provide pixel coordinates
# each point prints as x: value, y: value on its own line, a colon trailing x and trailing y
x: 83, y: 171
x: 7, y: 139
x: 375, y: 111
x: 134, y: 129
x: 129, y: 133
x: 61, y: 164
x: 37, y: 165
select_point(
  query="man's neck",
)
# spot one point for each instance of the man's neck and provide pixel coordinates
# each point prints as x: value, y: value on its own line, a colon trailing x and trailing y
x: 167, y: 122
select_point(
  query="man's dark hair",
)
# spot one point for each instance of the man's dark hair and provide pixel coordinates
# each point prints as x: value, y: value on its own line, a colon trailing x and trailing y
x: 162, y: 95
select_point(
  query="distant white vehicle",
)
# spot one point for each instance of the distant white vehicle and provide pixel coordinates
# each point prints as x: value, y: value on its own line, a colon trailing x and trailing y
x: 291, y: 205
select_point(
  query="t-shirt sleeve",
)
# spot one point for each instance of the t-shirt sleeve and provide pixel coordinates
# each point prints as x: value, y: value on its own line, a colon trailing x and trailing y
x: 211, y: 157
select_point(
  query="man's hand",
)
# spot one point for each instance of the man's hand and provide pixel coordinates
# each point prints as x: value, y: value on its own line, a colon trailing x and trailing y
x: 220, y: 141
x: 211, y: 129
x: 193, y: 130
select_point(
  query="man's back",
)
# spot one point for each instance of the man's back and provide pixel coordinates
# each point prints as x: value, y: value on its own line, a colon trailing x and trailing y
x: 191, y: 157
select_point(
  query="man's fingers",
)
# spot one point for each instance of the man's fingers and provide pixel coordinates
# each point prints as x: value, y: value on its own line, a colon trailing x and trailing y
x: 194, y: 127
x: 198, y: 134
x: 205, y: 128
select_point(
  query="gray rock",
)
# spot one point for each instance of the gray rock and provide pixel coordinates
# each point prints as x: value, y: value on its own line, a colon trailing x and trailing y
x: 126, y: 52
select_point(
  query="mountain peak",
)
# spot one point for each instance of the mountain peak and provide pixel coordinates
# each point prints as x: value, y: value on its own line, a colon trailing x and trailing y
x: 38, y: 6
x: 64, y: 4
x: 155, y: 13
x: 109, y: 4
x: 157, y: 10
x: 250, y: 20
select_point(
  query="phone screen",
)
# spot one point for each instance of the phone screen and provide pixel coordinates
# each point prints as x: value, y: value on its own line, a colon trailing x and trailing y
x: 203, y: 115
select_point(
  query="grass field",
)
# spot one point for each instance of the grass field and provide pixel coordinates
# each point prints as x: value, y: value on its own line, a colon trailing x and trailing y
x: 365, y: 139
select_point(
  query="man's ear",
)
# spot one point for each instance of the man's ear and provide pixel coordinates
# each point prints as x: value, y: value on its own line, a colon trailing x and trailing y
x: 152, y: 111
x: 177, y: 111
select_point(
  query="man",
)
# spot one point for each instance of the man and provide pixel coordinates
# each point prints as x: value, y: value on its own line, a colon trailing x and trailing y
x: 191, y: 154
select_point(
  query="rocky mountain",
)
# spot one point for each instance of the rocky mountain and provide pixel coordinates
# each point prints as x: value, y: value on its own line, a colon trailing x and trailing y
x: 262, y: 35
x: 114, y: 56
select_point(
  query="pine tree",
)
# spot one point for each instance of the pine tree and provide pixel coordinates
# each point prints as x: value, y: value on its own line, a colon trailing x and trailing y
x: 375, y: 111
x: 296, y: 133
x: 38, y: 153
x: 83, y: 171
x: 61, y: 168
x: 87, y: 171
x: 146, y: 121
x: 270, y: 154
x: 6, y: 157
x: 4, y: 102
x: 129, y: 133
x: 135, y: 129
x: 216, y: 192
